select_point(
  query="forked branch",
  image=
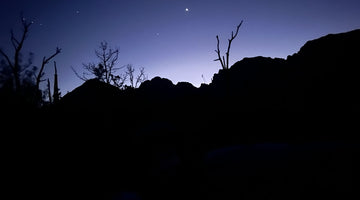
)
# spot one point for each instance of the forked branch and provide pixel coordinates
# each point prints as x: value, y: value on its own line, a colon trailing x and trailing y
x: 44, y: 62
x: 225, y: 63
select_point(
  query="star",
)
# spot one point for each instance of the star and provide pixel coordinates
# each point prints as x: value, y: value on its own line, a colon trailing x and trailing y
x: 187, y: 10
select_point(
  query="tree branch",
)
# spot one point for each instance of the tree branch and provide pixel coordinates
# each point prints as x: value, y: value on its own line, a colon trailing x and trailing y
x: 230, y: 40
x: 26, y: 27
x: 141, y: 77
x: 218, y: 52
x: 13, y: 40
x: 44, y: 62
x: 7, y: 58
x: 78, y: 75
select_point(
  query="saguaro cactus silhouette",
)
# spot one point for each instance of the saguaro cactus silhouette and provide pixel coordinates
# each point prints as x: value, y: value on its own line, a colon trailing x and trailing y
x: 225, y: 62
x: 49, y: 91
x: 56, y: 95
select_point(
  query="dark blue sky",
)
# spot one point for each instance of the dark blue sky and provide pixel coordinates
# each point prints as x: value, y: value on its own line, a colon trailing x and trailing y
x: 166, y: 40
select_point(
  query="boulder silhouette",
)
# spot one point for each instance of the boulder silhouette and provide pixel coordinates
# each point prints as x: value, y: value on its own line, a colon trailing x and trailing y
x: 157, y: 84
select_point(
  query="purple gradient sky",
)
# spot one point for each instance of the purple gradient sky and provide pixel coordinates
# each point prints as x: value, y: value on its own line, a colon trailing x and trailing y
x: 162, y: 37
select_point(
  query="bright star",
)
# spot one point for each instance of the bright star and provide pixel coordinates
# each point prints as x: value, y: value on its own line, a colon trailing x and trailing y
x: 186, y: 9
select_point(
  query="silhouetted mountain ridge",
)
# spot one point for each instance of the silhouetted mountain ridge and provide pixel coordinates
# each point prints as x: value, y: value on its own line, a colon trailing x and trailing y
x: 321, y: 77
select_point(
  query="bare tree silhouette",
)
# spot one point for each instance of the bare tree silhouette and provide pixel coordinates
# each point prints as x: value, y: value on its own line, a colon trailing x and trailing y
x: 106, y: 69
x: 225, y: 62
x: 135, y: 81
x: 15, y: 63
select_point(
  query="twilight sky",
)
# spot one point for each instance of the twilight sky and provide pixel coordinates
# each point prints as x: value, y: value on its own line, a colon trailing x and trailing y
x: 174, y: 39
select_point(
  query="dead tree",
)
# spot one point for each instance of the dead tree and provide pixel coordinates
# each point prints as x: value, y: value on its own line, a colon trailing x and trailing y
x: 44, y: 62
x: 106, y: 67
x: 225, y: 61
x: 18, y: 44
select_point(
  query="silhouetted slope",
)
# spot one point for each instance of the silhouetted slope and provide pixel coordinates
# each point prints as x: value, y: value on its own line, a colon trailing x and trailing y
x: 331, y: 47
x: 91, y: 95
x: 325, y: 72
